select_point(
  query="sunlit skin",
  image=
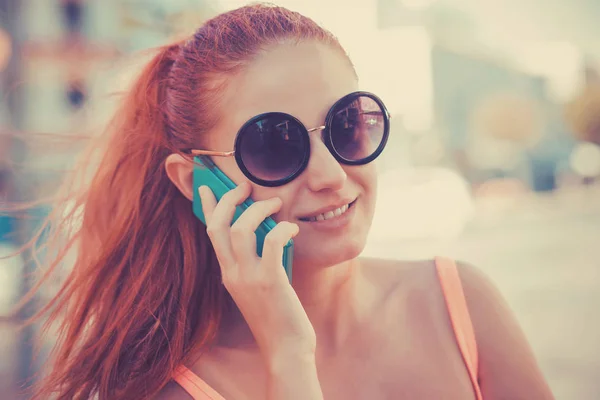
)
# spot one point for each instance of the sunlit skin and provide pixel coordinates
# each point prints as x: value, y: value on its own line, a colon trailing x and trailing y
x: 381, y: 326
x: 304, y: 81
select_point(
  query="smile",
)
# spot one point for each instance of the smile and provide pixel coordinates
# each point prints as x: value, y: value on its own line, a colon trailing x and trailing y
x: 329, y: 214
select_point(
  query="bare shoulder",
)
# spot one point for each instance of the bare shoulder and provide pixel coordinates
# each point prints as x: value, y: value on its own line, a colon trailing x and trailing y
x: 475, y: 282
x: 399, y: 280
x: 391, y: 274
x: 479, y: 290
x: 485, y: 302
x: 507, y: 365
x: 172, y: 391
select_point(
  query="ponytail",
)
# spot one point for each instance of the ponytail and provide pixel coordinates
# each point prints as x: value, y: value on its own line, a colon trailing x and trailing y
x: 144, y: 292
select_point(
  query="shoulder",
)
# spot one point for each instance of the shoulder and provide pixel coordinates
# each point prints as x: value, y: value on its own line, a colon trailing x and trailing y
x: 507, y: 365
x: 390, y: 274
x: 487, y: 306
x: 413, y: 282
x: 421, y: 277
x: 172, y: 391
x: 475, y: 282
x: 481, y: 294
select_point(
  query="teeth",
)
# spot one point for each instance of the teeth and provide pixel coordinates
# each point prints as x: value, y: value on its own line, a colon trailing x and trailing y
x: 330, y: 214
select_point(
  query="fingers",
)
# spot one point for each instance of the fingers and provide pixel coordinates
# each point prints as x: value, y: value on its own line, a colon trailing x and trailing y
x: 235, y: 245
x: 208, y: 200
x: 218, y: 220
x: 275, y: 240
x: 243, y: 236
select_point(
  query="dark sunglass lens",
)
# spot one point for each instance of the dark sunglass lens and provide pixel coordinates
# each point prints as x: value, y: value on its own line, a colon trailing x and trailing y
x: 357, y: 128
x: 272, y: 148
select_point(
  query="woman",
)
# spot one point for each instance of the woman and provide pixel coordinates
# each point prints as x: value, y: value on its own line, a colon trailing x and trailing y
x: 161, y: 306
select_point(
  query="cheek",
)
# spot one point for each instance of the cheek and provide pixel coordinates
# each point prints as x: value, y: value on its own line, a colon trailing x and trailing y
x: 230, y: 168
x: 365, y: 177
x: 373, y: 183
x: 260, y: 193
x: 286, y: 193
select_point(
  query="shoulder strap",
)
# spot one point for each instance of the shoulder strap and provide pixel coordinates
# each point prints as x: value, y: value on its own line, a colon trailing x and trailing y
x: 459, y: 316
x: 195, y: 386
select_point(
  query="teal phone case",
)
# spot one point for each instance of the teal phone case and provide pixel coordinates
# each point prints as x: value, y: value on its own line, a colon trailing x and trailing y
x: 208, y: 174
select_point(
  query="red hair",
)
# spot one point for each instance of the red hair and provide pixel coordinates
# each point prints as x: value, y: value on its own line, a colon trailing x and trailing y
x: 144, y: 294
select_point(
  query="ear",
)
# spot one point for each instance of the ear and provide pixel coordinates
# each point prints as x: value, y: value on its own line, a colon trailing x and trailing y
x: 180, y: 170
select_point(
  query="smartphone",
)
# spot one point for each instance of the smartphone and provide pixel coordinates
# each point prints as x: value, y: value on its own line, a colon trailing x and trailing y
x: 208, y: 174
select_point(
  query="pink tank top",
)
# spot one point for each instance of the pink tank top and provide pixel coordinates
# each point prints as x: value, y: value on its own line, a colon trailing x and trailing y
x: 459, y: 317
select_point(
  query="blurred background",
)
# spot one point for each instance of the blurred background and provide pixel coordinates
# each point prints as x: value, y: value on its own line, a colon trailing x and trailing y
x: 494, y: 156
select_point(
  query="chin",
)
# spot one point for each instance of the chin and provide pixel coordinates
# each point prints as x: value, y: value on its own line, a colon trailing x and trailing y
x: 325, y: 245
x: 319, y: 256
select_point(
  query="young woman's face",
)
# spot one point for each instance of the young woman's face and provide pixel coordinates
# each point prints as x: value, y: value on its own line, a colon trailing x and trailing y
x: 304, y: 80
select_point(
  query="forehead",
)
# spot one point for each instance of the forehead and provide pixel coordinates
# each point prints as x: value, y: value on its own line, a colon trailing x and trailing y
x: 303, y: 80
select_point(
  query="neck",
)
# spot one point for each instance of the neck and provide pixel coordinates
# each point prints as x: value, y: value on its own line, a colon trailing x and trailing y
x: 328, y: 295
x: 321, y: 289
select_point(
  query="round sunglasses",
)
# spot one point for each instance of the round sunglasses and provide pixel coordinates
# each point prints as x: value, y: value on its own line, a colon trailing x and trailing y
x: 273, y: 148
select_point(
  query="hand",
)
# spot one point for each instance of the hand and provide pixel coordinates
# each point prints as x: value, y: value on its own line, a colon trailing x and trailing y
x: 258, y: 285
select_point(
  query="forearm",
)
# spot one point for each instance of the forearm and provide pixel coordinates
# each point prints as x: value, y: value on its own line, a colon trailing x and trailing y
x: 293, y: 377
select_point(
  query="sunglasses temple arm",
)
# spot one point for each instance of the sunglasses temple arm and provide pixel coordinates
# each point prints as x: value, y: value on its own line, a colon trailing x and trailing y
x: 213, y: 153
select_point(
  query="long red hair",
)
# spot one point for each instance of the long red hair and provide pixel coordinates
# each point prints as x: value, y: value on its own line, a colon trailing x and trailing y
x: 145, y: 294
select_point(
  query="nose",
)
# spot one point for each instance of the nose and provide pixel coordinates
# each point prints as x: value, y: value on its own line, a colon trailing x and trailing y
x: 323, y: 171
